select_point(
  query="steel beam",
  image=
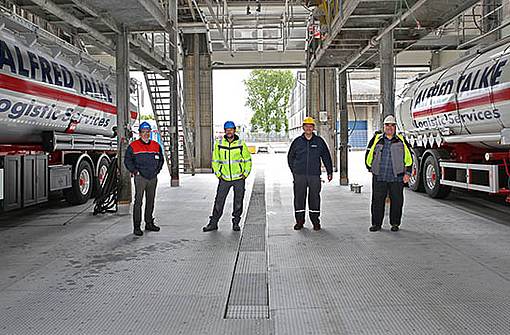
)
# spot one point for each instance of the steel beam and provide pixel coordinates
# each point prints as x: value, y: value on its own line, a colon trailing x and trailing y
x: 378, y: 38
x: 103, y: 17
x: 123, y: 114
x: 157, y: 12
x: 74, y: 21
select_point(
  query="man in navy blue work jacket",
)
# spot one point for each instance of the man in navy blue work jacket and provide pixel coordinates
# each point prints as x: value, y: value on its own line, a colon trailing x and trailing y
x: 144, y: 159
x: 304, y: 158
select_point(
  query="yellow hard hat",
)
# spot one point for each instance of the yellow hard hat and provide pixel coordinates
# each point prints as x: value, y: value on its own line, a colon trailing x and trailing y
x: 308, y: 120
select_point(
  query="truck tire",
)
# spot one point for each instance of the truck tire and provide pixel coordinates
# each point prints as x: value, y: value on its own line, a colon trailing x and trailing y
x: 431, y: 178
x: 416, y: 181
x: 102, y: 168
x: 82, y: 187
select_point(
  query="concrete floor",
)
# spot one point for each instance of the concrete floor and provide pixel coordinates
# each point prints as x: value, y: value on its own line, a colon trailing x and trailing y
x: 64, y: 271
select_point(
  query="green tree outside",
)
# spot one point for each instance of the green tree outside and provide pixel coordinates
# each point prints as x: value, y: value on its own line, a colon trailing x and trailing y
x: 268, y: 96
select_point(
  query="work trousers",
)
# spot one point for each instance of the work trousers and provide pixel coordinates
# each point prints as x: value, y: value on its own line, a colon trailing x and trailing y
x: 304, y: 184
x: 380, y: 190
x: 147, y: 187
x: 221, y: 195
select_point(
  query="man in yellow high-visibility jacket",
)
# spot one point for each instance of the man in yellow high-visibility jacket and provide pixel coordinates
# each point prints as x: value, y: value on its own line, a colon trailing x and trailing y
x: 231, y: 163
x: 389, y: 159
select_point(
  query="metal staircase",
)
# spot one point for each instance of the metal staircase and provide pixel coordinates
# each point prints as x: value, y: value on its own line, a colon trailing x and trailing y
x: 160, y: 95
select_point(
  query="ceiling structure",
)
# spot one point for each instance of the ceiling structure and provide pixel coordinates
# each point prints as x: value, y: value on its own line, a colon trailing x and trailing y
x: 250, y: 33
x: 353, y: 29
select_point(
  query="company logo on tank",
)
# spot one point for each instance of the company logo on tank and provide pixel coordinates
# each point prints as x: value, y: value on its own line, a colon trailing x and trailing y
x: 479, y: 79
x: 36, y: 110
x: 454, y: 118
x: 25, y: 63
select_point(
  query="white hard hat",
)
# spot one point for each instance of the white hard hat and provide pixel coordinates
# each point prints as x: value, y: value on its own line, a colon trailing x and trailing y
x: 390, y: 119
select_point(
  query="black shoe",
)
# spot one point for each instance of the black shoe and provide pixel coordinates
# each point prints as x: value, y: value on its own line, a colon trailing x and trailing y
x: 374, y: 228
x: 298, y: 226
x: 235, y: 227
x: 137, y: 231
x: 210, y: 227
x: 152, y: 227
x: 316, y: 226
x: 394, y: 228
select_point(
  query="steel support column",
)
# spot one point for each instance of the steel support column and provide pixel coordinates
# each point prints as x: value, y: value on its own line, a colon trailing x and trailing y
x: 435, y: 60
x: 174, y: 73
x: 321, y: 105
x: 505, y: 17
x: 343, y: 149
x: 490, y: 20
x: 123, y: 113
x: 198, y: 97
x: 387, y: 76
x: 197, y: 90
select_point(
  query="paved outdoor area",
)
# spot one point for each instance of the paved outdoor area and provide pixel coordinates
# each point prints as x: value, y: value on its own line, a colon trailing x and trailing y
x: 64, y: 271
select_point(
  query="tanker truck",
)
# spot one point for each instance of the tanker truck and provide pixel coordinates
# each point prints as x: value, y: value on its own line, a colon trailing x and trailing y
x: 57, y: 125
x: 457, y: 120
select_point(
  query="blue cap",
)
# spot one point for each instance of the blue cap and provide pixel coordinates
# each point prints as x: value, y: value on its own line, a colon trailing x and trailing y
x: 144, y: 126
x: 229, y: 125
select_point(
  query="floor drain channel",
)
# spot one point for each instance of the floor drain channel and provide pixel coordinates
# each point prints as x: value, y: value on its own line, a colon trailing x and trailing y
x: 249, y: 297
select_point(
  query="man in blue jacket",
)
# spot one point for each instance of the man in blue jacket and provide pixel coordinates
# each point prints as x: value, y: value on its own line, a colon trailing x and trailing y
x: 144, y: 159
x: 304, y: 158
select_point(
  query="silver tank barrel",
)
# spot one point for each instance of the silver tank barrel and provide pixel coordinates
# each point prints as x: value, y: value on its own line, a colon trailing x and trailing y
x: 466, y: 102
x: 41, y: 93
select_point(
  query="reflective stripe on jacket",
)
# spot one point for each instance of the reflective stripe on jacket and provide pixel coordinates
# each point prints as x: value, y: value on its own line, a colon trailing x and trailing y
x: 401, y: 157
x: 231, y: 160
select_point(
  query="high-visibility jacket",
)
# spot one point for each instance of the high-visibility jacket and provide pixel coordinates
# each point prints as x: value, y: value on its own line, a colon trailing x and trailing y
x: 401, y: 157
x: 231, y: 160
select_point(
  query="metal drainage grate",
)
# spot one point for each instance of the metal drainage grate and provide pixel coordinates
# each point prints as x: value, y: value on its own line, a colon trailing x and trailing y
x: 249, y: 294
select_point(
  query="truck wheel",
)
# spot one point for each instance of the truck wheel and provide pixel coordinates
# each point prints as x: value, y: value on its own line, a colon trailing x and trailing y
x: 416, y: 181
x: 101, y: 174
x: 431, y: 179
x: 81, y: 189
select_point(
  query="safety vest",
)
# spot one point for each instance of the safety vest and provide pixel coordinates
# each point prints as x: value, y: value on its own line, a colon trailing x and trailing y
x: 408, y: 158
x: 231, y: 160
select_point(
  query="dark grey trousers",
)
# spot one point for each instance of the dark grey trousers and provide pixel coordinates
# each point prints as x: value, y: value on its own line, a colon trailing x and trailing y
x: 147, y: 187
x: 221, y: 196
x: 310, y: 186
x: 380, y: 190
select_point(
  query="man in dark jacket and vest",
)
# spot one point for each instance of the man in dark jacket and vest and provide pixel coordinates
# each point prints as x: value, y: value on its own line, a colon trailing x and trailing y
x: 304, y: 158
x: 231, y: 163
x: 389, y: 159
x: 144, y: 159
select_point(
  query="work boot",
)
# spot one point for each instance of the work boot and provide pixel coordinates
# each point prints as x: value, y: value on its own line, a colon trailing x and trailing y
x: 210, y: 227
x: 298, y: 225
x: 394, y: 228
x: 374, y: 228
x: 137, y: 231
x: 316, y: 226
x: 235, y: 226
x: 152, y: 227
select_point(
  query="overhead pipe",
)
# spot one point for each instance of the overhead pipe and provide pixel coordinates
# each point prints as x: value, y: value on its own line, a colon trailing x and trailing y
x: 374, y: 41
